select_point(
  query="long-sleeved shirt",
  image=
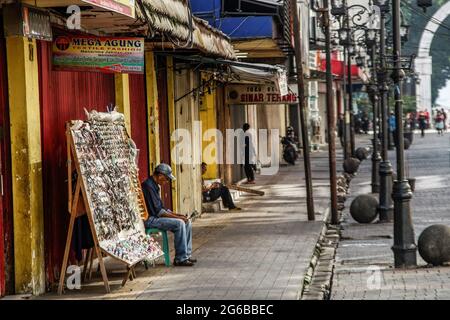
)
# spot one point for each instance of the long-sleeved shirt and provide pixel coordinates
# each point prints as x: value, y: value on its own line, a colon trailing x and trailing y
x: 153, y: 200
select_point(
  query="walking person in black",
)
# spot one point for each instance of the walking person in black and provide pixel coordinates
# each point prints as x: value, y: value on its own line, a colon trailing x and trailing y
x: 250, y: 155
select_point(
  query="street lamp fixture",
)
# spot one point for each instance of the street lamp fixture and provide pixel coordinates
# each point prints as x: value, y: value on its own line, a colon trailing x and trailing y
x: 404, y: 32
x: 337, y: 8
x: 344, y: 36
x: 382, y: 4
x: 424, y: 4
x: 371, y: 37
x: 359, y: 61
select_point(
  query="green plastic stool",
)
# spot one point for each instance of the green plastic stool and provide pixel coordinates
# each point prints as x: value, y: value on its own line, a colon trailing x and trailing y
x: 165, y: 243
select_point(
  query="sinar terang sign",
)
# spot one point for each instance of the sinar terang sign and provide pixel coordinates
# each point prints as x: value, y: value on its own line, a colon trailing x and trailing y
x: 257, y: 94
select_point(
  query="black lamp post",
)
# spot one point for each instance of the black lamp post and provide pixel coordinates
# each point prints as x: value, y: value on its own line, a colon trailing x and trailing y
x: 405, y: 250
x: 385, y: 208
x: 341, y: 10
x: 344, y: 40
x: 370, y: 42
x: 351, y: 53
x: 331, y: 113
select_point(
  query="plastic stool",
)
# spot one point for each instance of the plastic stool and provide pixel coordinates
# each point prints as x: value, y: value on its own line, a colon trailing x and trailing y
x: 165, y: 243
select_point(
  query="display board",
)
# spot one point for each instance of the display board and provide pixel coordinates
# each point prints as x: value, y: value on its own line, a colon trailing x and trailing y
x: 108, y: 183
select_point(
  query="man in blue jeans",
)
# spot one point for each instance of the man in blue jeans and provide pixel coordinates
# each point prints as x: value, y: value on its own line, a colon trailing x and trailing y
x: 164, y: 219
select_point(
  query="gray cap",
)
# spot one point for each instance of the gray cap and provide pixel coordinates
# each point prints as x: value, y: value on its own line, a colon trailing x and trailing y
x: 166, y: 170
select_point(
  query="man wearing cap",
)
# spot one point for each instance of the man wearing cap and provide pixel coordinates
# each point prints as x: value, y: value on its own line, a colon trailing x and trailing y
x: 164, y: 219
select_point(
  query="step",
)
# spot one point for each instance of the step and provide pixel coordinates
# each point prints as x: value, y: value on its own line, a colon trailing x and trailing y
x: 214, y: 206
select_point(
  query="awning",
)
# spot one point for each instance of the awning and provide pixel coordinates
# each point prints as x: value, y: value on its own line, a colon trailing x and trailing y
x: 337, y: 69
x: 277, y: 76
x: 169, y: 22
x: 244, y: 72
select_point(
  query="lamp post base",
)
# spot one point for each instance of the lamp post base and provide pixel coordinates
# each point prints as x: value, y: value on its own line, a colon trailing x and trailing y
x: 405, y: 249
x: 386, y: 208
x: 405, y: 257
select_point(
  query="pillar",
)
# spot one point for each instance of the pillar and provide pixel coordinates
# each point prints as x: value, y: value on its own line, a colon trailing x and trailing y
x: 208, y: 117
x: 172, y: 126
x: 26, y: 163
x: 424, y: 68
x: 122, y: 86
x: 152, y: 111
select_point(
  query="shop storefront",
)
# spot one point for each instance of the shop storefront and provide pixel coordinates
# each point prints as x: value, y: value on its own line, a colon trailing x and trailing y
x: 65, y: 96
x: 40, y: 77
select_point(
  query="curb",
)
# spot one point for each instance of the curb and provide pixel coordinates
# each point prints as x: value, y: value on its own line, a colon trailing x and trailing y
x: 307, y: 279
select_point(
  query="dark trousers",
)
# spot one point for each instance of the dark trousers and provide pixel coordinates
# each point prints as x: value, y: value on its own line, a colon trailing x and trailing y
x: 249, y: 173
x: 222, y: 192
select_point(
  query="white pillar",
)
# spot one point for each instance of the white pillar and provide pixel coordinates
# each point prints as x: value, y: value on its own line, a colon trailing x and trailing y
x: 423, y: 89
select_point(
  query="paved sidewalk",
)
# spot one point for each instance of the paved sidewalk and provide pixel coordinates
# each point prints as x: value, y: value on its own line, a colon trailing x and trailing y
x: 262, y: 252
x: 364, y: 259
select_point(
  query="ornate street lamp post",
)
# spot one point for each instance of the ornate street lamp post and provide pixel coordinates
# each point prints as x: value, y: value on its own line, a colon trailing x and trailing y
x: 331, y: 113
x: 370, y: 41
x: 385, y: 208
x: 405, y: 250
x: 346, y: 32
x: 338, y: 9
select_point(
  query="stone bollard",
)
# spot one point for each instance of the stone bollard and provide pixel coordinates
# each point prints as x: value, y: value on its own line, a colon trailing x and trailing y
x: 434, y: 244
x: 406, y: 143
x: 364, y: 208
x: 362, y: 153
x: 351, y: 165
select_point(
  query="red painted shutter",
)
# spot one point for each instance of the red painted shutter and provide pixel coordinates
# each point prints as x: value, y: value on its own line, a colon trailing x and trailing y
x: 138, y: 106
x: 64, y: 96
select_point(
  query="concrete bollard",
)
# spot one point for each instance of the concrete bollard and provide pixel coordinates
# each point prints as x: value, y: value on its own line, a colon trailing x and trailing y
x: 406, y: 143
x: 364, y: 208
x: 351, y: 165
x: 362, y: 153
x: 434, y: 244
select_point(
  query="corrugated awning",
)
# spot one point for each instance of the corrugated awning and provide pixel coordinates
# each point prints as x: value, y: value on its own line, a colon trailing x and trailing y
x: 244, y: 72
x: 168, y: 21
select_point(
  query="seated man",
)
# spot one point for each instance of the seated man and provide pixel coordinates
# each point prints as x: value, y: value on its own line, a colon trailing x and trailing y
x: 164, y: 219
x: 217, y: 190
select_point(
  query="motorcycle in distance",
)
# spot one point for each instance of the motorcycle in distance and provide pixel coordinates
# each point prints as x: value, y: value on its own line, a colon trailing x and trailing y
x: 290, y: 149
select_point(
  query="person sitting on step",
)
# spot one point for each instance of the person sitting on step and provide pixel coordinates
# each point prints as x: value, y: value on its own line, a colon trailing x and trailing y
x: 216, y: 191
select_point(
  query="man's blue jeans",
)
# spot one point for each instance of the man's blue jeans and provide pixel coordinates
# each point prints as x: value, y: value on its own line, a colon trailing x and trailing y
x: 182, y: 232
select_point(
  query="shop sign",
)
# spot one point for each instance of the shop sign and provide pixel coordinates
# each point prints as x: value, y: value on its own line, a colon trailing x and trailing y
x: 257, y: 94
x: 27, y: 21
x: 125, y: 7
x: 102, y: 54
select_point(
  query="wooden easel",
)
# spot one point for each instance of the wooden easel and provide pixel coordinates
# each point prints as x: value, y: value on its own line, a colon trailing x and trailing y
x: 72, y: 206
x: 80, y: 191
